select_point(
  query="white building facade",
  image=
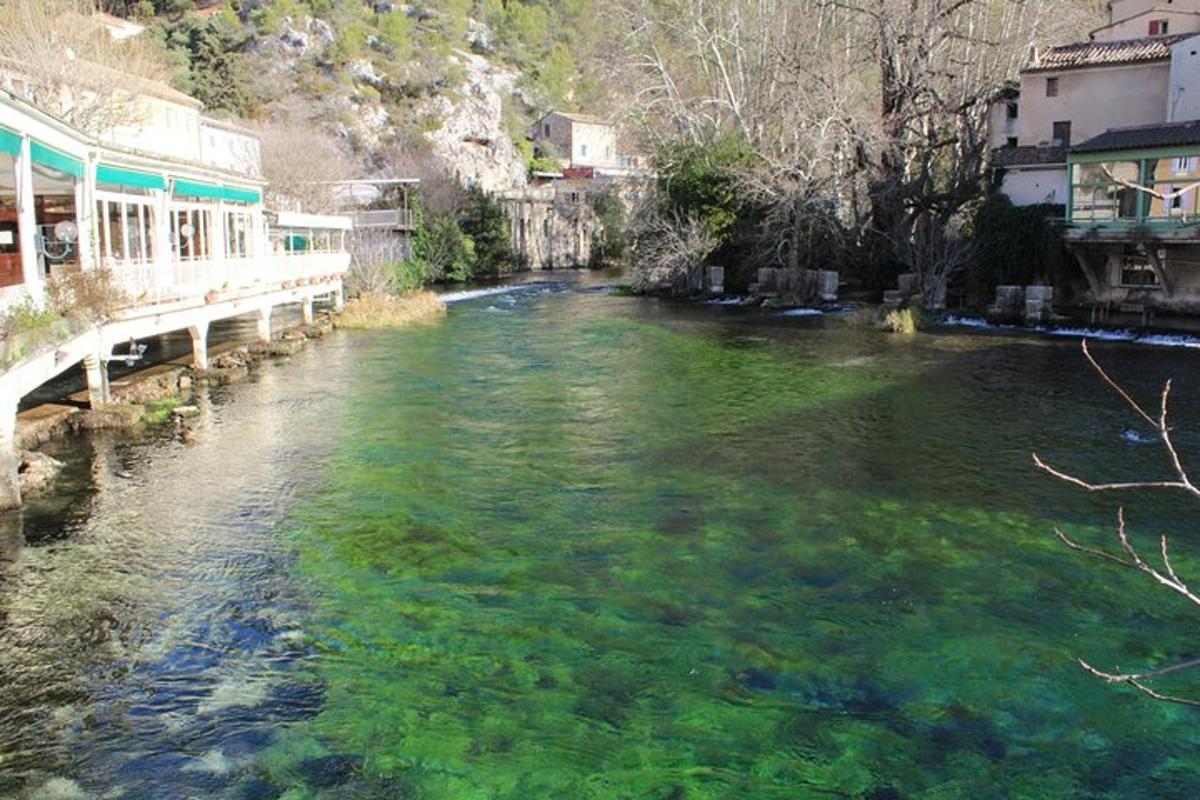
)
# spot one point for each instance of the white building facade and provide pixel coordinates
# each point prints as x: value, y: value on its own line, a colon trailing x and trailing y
x: 1142, y: 68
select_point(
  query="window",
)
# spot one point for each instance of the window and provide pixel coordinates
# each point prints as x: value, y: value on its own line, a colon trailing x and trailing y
x: 237, y: 234
x: 191, y: 230
x: 546, y: 129
x: 583, y: 150
x: 1013, y: 109
x: 1011, y: 141
x: 126, y: 224
x: 1184, y: 165
x: 1051, y: 87
x: 1137, y: 273
x: 1061, y: 136
x: 1159, y: 27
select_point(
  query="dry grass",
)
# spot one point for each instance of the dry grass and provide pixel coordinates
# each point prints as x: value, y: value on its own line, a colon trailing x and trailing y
x: 378, y: 310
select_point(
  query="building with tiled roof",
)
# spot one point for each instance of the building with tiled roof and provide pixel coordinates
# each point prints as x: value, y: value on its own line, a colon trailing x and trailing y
x: 1146, y: 50
x: 1143, y: 68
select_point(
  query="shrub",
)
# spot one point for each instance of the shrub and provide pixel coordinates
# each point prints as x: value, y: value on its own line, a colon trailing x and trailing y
x: 442, y: 251
x: 486, y: 225
x: 87, y: 295
x: 373, y: 311
x: 25, y: 316
x: 1015, y: 246
x: 610, y: 244
x: 904, y: 320
x: 406, y: 276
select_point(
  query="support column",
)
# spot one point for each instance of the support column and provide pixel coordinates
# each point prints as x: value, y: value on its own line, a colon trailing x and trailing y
x: 31, y: 268
x: 1089, y: 271
x: 339, y: 297
x: 10, y: 459
x: 97, y: 380
x: 1160, y: 269
x: 199, y: 334
x: 306, y: 310
x: 264, y: 324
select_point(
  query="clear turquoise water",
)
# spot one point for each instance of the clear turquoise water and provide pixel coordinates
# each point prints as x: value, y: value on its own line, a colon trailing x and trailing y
x: 568, y: 544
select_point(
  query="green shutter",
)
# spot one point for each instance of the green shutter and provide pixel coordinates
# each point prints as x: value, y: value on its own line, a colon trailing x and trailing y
x: 236, y: 195
x: 10, y: 142
x: 49, y: 157
x: 129, y: 178
x: 203, y: 191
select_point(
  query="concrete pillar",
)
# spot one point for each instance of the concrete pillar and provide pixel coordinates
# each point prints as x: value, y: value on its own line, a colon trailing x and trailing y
x: 264, y: 324
x: 306, y: 310
x: 97, y: 380
x: 339, y: 297
x: 10, y: 459
x: 31, y: 268
x: 199, y: 334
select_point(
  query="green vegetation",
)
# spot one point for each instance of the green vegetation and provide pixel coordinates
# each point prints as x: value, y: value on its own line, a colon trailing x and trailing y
x: 158, y: 411
x: 1015, y: 246
x: 24, y: 327
x: 610, y: 245
x: 487, y: 227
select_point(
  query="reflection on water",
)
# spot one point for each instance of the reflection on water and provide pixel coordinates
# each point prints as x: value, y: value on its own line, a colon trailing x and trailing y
x: 150, y: 636
x: 568, y: 544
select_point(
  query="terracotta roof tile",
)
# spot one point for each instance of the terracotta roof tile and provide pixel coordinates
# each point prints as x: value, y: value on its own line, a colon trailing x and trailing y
x: 1092, y: 54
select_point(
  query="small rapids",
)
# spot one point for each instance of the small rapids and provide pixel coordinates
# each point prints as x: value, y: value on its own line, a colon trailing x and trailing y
x: 1074, y: 332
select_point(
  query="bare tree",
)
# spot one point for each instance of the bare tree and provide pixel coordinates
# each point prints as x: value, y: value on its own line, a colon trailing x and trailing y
x: 441, y: 192
x: 1129, y: 556
x: 61, y: 56
x: 671, y: 248
x: 879, y: 105
x: 935, y: 251
x: 301, y: 165
x: 374, y: 254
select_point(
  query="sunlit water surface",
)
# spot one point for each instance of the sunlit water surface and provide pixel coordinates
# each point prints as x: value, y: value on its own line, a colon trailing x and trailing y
x: 567, y: 544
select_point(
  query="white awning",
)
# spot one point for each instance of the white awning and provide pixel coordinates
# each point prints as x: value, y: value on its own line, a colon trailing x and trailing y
x: 293, y: 219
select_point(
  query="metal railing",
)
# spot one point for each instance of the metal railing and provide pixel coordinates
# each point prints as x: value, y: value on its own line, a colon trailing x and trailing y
x: 189, y: 279
x: 392, y: 219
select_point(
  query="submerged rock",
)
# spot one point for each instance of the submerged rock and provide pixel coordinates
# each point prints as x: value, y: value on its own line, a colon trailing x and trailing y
x: 329, y: 771
x: 220, y: 376
x: 36, y: 470
x: 58, y: 789
x: 108, y: 417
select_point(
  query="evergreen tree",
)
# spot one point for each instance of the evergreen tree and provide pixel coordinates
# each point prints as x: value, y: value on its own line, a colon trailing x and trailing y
x: 485, y: 222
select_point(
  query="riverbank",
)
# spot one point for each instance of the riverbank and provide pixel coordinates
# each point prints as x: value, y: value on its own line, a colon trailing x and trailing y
x: 158, y: 395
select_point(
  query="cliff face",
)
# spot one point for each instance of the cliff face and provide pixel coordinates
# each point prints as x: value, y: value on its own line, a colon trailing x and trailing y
x: 472, y: 141
x: 462, y: 123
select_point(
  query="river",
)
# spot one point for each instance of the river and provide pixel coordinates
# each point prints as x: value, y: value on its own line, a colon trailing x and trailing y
x: 570, y: 544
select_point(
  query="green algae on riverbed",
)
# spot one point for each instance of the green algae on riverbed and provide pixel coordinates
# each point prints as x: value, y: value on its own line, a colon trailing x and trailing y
x: 564, y: 552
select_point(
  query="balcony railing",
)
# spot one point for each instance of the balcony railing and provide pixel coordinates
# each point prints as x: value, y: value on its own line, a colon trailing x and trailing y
x: 391, y: 219
x: 194, y: 279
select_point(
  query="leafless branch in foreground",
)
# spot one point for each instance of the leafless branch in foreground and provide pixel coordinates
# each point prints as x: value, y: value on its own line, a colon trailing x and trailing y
x: 1130, y: 557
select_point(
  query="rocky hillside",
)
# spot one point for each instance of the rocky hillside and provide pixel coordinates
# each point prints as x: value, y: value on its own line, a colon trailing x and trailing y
x: 456, y: 82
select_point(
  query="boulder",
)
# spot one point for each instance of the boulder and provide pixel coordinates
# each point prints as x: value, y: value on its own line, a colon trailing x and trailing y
x: 36, y: 470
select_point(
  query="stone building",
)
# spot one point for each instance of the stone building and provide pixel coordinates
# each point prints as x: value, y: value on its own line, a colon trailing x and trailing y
x: 553, y: 225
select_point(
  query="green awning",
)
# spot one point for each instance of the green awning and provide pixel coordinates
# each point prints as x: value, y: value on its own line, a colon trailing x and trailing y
x: 202, y: 191
x: 49, y: 157
x: 130, y: 178
x: 235, y: 195
x: 10, y: 142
